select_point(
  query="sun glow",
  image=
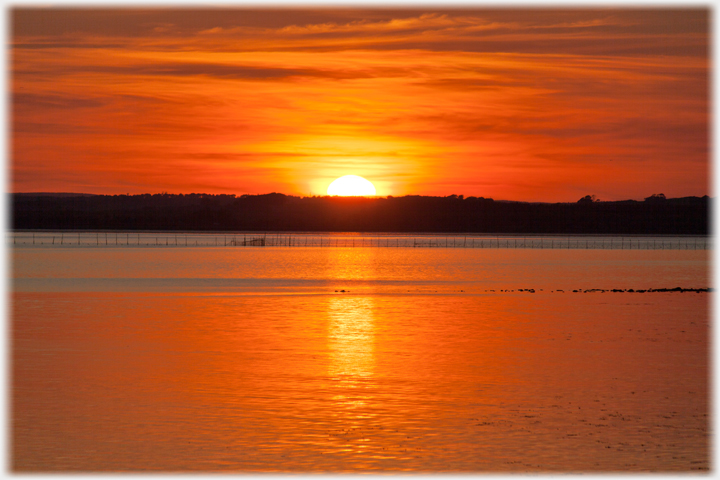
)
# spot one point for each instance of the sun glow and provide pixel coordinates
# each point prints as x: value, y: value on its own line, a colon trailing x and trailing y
x: 351, y: 186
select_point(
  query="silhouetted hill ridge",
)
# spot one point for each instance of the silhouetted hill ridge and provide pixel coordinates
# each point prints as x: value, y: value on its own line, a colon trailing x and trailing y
x: 411, y: 213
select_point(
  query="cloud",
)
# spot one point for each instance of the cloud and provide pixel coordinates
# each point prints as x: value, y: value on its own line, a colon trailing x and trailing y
x: 44, y: 101
x: 206, y: 69
x: 632, y: 32
x: 522, y: 99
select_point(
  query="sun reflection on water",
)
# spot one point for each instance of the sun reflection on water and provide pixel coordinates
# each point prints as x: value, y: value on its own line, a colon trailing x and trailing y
x: 351, y: 338
x: 351, y: 372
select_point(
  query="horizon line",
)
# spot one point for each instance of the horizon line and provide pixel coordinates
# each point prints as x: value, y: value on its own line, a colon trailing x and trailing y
x: 459, y: 196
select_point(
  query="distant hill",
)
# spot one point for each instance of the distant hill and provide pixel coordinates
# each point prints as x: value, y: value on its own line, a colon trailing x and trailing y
x: 412, y: 213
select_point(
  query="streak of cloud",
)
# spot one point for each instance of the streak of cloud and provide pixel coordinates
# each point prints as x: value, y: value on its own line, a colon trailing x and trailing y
x: 523, y: 104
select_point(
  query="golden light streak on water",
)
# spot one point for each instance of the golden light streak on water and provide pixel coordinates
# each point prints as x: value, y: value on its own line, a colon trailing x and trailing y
x: 351, y: 338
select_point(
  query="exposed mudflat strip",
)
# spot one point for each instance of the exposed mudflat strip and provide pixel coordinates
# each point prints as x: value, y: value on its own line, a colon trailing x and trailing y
x: 613, y: 290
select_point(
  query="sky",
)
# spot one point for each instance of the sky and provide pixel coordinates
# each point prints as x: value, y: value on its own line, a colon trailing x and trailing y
x: 530, y: 104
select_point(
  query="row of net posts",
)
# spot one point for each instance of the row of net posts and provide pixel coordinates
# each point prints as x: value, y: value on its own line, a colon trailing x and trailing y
x: 280, y: 240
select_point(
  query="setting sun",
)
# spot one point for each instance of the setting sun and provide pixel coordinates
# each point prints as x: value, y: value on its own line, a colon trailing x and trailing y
x: 351, y: 186
x: 359, y: 239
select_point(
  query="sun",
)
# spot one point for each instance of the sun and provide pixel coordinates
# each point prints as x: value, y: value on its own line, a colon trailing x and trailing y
x: 351, y: 186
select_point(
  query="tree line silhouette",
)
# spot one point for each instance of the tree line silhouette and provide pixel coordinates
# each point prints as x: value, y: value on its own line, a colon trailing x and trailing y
x: 411, y: 213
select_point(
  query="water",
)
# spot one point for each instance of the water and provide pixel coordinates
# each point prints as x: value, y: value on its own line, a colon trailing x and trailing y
x: 355, y: 240
x: 430, y: 360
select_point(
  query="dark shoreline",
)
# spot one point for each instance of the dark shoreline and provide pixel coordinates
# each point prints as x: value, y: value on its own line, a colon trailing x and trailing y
x: 283, y: 213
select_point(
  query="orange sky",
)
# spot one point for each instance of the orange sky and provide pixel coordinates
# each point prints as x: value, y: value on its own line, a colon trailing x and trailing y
x: 518, y: 104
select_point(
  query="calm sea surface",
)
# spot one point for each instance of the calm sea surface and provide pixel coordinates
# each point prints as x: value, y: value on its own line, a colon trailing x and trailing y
x: 305, y: 359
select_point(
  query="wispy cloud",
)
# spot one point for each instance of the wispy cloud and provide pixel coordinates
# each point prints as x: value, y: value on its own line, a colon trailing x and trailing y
x: 424, y: 100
